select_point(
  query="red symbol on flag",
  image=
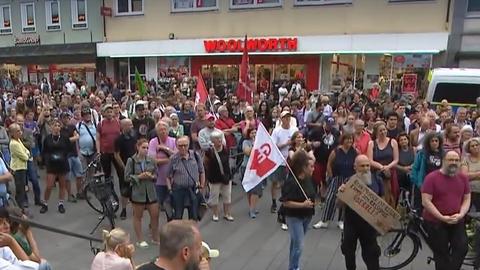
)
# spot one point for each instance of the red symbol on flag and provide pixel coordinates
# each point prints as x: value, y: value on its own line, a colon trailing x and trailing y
x: 260, y: 161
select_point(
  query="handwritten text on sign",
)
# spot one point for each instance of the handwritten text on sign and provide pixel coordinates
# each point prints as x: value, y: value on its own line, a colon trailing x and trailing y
x: 369, y: 205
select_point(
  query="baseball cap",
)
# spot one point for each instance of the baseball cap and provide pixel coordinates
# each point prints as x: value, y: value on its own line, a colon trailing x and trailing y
x: 209, y: 116
x: 285, y: 113
x: 207, y: 251
x: 106, y: 107
x: 330, y: 121
x: 140, y: 105
x: 65, y: 114
x: 217, y: 102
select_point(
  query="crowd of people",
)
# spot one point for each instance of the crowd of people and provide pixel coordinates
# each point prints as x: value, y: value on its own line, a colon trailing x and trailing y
x: 166, y: 149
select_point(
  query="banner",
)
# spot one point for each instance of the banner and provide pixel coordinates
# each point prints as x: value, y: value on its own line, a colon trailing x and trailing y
x: 371, y: 207
x: 409, y: 84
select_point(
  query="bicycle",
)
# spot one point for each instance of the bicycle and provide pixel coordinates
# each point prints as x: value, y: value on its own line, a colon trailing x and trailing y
x: 408, y: 239
x: 99, y: 193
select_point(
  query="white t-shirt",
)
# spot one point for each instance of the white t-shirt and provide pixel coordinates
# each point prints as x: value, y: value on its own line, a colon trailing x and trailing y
x: 281, y: 136
x: 71, y: 87
x: 282, y: 92
x: 8, y: 261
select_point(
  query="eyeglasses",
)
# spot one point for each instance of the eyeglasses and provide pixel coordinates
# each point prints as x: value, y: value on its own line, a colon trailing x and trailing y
x: 182, y: 145
x: 474, y: 145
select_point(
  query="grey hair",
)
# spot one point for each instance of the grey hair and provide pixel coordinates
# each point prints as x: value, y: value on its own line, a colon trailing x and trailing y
x: 216, y: 134
x: 174, y: 236
x: 162, y: 123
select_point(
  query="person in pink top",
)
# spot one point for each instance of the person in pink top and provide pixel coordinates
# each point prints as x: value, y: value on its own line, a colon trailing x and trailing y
x: 361, y: 137
x: 118, y: 253
x: 161, y: 148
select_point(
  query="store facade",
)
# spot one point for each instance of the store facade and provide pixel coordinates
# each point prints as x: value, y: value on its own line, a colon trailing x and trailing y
x: 326, y: 62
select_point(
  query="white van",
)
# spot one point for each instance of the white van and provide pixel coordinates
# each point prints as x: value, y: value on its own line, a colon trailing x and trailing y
x: 459, y: 86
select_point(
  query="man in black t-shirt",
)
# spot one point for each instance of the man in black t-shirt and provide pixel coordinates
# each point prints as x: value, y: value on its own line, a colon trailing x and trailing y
x: 172, y: 254
x: 125, y: 147
x: 76, y: 171
x: 142, y: 124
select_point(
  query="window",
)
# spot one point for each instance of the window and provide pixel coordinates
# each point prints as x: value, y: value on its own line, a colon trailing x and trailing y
x: 79, y: 14
x: 5, y: 21
x: 239, y: 4
x: 399, y: 1
x: 194, y: 5
x: 473, y: 8
x: 450, y: 91
x: 321, y: 2
x: 129, y: 7
x: 28, y: 17
x: 52, y: 15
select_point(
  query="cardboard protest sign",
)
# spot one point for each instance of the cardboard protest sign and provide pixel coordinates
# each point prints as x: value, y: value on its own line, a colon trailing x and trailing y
x: 371, y: 207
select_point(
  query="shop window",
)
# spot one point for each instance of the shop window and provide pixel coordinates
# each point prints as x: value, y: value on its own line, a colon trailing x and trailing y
x: 450, y: 91
x: 5, y: 19
x: 321, y: 2
x: 79, y: 14
x: 194, y: 5
x: 239, y: 4
x: 473, y: 8
x: 129, y: 7
x: 139, y: 63
x: 400, y: 1
x: 28, y: 17
x: 52, y: 15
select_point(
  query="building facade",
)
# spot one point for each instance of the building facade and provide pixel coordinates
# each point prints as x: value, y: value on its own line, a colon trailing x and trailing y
x: 49, y: 38
x: 464, y: 44
x: 326, y: 44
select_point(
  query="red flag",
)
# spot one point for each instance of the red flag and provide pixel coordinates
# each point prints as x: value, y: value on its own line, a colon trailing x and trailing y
x: 202, y: 93
x: 243, y: 89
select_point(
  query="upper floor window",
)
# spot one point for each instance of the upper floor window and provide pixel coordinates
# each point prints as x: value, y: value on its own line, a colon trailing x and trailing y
x: 395, y: 1
x: 5, y: 20
x: 321, y: 2
x: 194, y: 5
x: 238, y: 4
x: 473, y: 8
x: 79, y: 14
x: 129, y: 7
x: 28, y: 17
x: 52, y: 15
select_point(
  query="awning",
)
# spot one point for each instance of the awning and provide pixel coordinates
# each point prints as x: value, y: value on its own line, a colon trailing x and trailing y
x: 49, y: 54
x: 326, y: 44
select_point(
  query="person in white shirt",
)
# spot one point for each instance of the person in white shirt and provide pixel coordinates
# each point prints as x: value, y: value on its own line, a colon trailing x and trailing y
x: 327, y: 109
x: 281, y: 137
x: 70, y: 86
x: 282, y: 92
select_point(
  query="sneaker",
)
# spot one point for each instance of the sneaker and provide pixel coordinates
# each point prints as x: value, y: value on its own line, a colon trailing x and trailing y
x: 44, y: 209
x: 123, y: 214
x: 320, y: 225
x: 38, y: 203
x: 215, y: 218
x: 284, y: 227
x: 340, y: 225
x: 80, y: 196
x: 61, y: 209
x: 257, y: 212
x: 142, y: 244
x: 252, y: 214
x: 273, y: 209
x: 72, y: 198
x: 228, y: 218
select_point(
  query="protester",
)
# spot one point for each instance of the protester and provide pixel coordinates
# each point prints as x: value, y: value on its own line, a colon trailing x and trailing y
x: 446, y: 200
x: 406, y: 157
x: 75, y: 167
x: 140, y: 170
x: 471, y: 167
x: 18, y: 163
x: 118, y: 254
x: 298, y: 200
x: 356, y: 228
x: 255, y: 193
x: 204, y: 136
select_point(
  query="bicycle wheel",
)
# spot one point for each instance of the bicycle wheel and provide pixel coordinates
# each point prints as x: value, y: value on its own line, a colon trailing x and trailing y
x: 92, y: 200
x: 110, y: 214
x: 398, y: 249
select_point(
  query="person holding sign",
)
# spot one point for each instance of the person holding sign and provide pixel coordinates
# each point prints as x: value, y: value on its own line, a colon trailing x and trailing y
x: 355, y: 227
x: 446, y: 200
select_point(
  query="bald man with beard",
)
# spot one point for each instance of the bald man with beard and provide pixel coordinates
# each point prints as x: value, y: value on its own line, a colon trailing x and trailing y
x: 355, y: 227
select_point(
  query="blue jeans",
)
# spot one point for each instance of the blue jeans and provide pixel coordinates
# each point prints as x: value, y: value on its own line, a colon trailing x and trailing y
x: 297, y: 228
x: 32, y: 175
x: 162, y: 193
x: 181, y: 198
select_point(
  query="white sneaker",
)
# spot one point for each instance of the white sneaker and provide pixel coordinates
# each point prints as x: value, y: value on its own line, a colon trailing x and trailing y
x: 320, y: 225
x: 340, y: 225
x: 215, y: 218
x: 284, y: 227
x: 142, y: 244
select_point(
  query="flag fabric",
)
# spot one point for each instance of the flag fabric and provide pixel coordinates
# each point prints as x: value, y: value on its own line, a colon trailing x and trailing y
x: 202, y: 93
x: 264, y: 159
x: 142, y: 91
x: 243, y: 89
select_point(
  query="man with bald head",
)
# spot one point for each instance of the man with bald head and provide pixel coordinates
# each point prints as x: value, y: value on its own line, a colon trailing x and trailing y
x: 446, y: 200
x: 125, y: 148
x: 355, y: 227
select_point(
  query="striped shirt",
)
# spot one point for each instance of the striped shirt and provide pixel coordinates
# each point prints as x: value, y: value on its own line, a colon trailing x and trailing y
x: 185, y: 172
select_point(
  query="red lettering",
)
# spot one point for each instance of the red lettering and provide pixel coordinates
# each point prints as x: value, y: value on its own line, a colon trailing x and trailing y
x: 232, y: 45
x: 283, y: 43
x: 262, y: 44
x: 252, y: 45
x: 221, y: 45
x: 272, y: 44
x: 292, y: 44
x: 210, y: 45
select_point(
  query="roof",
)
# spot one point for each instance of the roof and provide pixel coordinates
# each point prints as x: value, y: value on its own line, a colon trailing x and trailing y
x: 457, y: 72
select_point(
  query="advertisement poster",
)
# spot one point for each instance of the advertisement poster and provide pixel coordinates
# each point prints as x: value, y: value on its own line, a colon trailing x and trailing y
x: 409, y: 84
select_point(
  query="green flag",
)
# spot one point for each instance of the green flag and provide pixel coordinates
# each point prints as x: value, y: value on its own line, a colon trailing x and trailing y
x: 142, y: 91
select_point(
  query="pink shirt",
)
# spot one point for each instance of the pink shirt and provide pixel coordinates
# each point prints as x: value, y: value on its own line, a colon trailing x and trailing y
x: 110, y: 261
x: 109, y: 131
x: 162, y: 170
x: 361, y: 143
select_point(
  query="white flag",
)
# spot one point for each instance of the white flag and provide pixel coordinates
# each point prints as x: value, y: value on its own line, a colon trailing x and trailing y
x: 263, y: 161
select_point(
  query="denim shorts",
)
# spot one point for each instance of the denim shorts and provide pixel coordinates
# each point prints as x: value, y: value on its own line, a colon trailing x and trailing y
x: 162, y: 193
x: 76, y: 169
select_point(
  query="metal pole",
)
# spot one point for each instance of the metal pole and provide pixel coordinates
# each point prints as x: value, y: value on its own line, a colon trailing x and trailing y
x: 355, y: 72
x: 391, y: 76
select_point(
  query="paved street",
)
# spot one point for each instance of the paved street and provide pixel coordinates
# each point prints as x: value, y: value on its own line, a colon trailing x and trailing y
x: 244, y: 245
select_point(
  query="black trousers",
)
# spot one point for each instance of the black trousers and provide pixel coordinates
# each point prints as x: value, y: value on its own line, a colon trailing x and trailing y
x: 448, y: 243
x: 20, y: 177
x: 106, y: 160
x: 356, y: 228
